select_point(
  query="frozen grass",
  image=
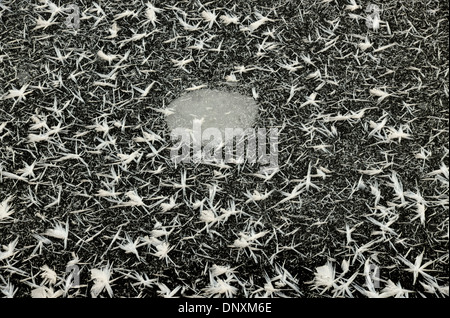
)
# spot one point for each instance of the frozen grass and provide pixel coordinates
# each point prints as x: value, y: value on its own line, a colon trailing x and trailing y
x: 86, y: 183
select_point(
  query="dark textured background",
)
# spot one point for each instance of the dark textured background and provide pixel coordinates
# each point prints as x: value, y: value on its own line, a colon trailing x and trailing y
x: 414, y: 71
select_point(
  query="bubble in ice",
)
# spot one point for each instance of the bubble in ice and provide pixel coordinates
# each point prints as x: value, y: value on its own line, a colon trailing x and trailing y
x: 215, y: 108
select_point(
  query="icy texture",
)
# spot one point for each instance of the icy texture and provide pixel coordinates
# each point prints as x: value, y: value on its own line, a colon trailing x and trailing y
x: 218, y: 109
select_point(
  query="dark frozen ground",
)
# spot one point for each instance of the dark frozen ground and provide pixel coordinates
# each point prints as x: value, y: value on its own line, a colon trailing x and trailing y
x: 301, y: 235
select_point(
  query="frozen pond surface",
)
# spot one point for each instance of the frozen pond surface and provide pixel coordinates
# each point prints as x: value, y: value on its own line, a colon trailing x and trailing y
x: 217, y: 109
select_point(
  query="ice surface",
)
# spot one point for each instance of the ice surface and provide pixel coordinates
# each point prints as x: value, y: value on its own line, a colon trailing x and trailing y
x: 218, y: 109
